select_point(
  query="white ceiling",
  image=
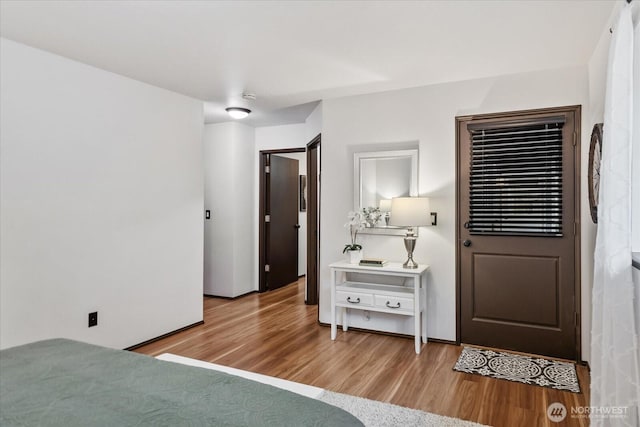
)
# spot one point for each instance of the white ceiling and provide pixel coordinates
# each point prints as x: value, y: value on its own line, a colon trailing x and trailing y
x: 293, y: 53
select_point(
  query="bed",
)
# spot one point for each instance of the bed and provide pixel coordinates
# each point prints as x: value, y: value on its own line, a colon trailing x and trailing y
x: 61, y: 382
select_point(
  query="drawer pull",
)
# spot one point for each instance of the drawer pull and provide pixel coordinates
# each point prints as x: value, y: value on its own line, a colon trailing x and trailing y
x: 357, y: 301
x: 392, y: 306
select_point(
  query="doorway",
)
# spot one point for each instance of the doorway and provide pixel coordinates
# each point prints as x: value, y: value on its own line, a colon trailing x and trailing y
x: 279, y: 217
x: 518, y: 234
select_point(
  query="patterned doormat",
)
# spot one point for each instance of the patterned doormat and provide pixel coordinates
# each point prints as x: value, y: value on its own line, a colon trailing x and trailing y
x: 523, y: 369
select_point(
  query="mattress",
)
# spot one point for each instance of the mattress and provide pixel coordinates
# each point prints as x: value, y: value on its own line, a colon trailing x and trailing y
x: 61, y: 382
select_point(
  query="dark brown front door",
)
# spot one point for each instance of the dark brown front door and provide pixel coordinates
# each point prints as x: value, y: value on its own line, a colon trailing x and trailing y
x: 282, y: 228
x: 517, y: 231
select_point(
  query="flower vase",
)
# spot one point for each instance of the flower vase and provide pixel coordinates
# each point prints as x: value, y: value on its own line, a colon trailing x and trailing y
x: 355, y: 256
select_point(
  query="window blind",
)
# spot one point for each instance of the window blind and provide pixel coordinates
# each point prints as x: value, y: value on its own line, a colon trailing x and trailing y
x: 516, y: 179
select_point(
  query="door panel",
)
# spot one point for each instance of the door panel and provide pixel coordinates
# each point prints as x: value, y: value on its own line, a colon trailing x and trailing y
x: 531, y: 297
x: 282, y: 230
x: 516, y: 219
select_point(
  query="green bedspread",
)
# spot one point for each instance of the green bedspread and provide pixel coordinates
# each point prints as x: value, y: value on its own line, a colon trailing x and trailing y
x: 67, y: 383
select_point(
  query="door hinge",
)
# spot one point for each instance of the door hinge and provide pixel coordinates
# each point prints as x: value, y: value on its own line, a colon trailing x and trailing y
x: 266, y: 268
x: 575, y: 228
x: 267, y: 169
x: 575, y: 138
x: 267, y: 218
x: 576, y: 318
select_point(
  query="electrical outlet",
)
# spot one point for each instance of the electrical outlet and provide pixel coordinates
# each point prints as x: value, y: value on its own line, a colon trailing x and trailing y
x: 366, y: 315
x: 93, y: 319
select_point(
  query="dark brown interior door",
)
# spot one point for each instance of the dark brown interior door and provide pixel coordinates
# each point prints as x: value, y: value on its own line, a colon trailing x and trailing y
x: 517, y: 231
x: 282, y: 228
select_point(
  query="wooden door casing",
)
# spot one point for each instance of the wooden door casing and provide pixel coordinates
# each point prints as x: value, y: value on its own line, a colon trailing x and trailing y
x: 313, y: 223
x: 263, y: 211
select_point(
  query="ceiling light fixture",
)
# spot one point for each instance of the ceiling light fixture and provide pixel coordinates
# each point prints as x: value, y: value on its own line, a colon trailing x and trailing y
x: 238, y: 112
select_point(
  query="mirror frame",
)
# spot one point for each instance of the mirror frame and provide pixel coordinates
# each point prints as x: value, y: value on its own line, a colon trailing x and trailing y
x: 412, y: 153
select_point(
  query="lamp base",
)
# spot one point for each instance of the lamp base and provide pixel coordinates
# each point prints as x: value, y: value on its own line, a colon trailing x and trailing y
x: 410, y: 263
x: 410, y: 244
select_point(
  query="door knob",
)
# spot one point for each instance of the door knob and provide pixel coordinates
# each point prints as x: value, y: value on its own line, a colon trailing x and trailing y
x: 467, y: 225
x: 297, y: 226
x: 467, y: 243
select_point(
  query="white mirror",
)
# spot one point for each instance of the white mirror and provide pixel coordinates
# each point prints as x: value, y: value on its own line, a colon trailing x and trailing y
x: 380, y: 176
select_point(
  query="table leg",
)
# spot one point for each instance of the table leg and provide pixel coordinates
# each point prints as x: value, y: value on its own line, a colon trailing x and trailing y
x: 424, y: 309
x: 416, y: 312
x: 334, y: 328
x: 345, y: 319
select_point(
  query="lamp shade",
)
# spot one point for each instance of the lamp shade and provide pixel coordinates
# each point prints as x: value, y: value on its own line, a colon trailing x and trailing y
x: 385, y: 205
x: 410, y: 212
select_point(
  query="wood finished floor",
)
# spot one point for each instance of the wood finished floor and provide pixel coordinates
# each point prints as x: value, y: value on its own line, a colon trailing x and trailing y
x: 276, y: 334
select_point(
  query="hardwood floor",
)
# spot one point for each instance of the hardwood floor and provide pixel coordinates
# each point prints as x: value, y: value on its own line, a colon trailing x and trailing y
x: 276, y: 334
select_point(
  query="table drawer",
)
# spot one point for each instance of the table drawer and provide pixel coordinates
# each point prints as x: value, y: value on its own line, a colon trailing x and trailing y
x: 353, y: 298
x: 394, y: 303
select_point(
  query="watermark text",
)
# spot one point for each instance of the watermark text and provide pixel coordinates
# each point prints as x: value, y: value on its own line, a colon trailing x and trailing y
x: 557, y: 412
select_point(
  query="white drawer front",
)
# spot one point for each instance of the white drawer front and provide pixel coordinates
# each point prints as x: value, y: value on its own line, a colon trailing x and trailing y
x: 394, y: 303
x: 353, y: 298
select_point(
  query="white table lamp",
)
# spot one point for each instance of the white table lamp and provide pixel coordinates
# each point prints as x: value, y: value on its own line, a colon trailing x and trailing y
x: 410, y: 212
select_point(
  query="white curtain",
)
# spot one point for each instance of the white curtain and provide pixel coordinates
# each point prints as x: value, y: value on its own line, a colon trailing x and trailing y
x: 615, y: 352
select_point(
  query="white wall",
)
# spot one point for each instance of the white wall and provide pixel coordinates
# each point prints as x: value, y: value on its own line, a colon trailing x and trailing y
x: 229, y: 234
x: 314, y: 123
x: 425, y: 114
x: 100, y: 203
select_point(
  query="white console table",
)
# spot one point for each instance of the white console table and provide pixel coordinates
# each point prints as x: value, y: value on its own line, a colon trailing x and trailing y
x: 409, y: 299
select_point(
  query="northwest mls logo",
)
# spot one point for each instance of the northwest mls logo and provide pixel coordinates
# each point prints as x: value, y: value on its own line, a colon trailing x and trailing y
x: 556, y: 412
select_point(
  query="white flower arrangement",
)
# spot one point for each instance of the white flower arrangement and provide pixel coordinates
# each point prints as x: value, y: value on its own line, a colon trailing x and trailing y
x: 357, y: 221
x: 372, y: 215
